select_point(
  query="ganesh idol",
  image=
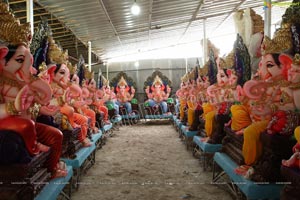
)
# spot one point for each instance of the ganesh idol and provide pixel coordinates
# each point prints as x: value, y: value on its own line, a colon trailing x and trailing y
x: 215, y: 94
x: 124, y: 95
x: 23, y: 94
x: 191, y: 98
x: 95, y: 95
x: 157, y: 94
x: 182, y: 94
x: 202, y: 83
x: 268, y: 97
x: 290, y: 99
x: 79, y: 95
x: 236, y: 72
x: 109, y: 96
x: 62, y: 91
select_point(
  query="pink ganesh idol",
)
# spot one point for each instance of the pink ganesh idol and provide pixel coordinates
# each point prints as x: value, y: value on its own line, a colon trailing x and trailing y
x: 182, y: 94
x: 23, y: 94
x: 95, y: 95
x: 124, y: 96
x: 109, y: 96
x: 267, y: 95
x: 62, y: 96
x: 294, y: 160
x: 79, y: 97
x: 216, y: 93
x: 157, y: 95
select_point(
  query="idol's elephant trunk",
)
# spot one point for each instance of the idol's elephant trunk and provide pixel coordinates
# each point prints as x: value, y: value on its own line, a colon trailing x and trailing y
x: 41, y: 90
x: 255, y: 89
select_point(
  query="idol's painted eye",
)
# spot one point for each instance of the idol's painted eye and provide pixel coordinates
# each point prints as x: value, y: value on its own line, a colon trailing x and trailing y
x: 20, y: 60
x: 270, y: 65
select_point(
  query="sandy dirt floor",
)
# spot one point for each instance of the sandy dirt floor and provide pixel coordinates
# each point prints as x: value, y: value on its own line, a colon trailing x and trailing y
x: 147, y: 162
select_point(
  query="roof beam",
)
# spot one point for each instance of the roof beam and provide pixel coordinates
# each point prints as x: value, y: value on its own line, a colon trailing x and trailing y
x: 200, y: 5
x: 62, y: 32
x: 16, y: 2
x: 71, y: 42
x: 109, y: 20
x: 38, y: 8
x: 70, y: 39
x: 21, y: 11
x: 61, y: 36
x: 41, y: 14
x: 58, y: 28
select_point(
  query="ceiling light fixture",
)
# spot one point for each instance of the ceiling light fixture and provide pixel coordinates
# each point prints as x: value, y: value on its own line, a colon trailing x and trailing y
x: 135, y: 9
x: 136, y: 64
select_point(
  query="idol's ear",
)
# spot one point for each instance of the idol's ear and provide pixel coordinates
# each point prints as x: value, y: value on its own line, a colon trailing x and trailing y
x: 229, y: 72
x: 3, y: 51
x: 285, y: 59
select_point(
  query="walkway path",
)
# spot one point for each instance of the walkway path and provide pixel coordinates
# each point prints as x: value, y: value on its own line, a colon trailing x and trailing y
x: 147, y: 162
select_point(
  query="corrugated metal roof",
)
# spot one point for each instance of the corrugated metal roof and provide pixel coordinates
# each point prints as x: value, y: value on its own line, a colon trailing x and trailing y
x: 114, y: 31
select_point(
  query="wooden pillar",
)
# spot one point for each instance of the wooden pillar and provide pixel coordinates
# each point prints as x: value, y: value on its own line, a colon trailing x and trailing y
x: 90, y: 55
x: 268, y: 15
x: 29, y: 11
x: 204, y: 42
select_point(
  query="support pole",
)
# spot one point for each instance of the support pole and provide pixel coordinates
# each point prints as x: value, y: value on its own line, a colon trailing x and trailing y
x: 99, y: 75
x: 186, y: 65
x: 106, y: 71
x: 29, y: 10
x: 268, y: 15
x: 90, y: 55
x: 204, y: 42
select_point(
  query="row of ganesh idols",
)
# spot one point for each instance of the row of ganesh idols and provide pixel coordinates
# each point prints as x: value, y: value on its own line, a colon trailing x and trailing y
x: 43, y: 94
x: 226, y: 95
x: 120, y: 91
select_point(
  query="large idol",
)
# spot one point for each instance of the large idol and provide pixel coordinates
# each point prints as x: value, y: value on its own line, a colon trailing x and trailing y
x: 22, y: 94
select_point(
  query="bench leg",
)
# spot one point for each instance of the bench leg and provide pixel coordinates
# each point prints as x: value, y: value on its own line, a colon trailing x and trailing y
x: 207, y: 160
x: 181, y: 135
x: 67, y: 190
x: 234, y: 189
x: 204, y: 161
x: 217, y: 174
x: 116, y: 126
x: 189, y: 143
x: 99, y: 144
x: 186, y: 141
x: 76, y: 179
x: 89, y: 162
x: 110, y: 133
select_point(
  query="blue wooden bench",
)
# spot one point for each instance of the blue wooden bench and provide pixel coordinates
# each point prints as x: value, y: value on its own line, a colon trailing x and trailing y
x: 174, y: 117
x: 205, y: 151
x: 130, y: 119
x: 97, y: 139
x: 106, y: 127
x: 178, y: 125
x: 163, y: 116
x: 85, y: 158
x: 107, y: 130
x: 116, y: 121
x: 55, y: 187
x: 136, y: 116
x: 241, y: 186
x: 187, y: 135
